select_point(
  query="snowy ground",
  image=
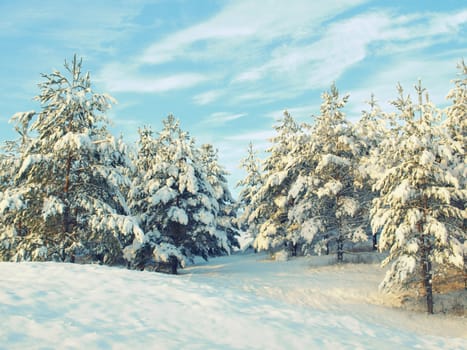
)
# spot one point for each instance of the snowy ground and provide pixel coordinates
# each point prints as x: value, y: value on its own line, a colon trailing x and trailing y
x: 238, y: 302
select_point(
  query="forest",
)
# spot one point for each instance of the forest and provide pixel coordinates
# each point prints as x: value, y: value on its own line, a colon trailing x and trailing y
x: 394, y: 181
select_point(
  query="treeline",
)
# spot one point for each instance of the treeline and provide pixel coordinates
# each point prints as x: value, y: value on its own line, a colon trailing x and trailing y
x: 70, y: 191
x: 396, y: 179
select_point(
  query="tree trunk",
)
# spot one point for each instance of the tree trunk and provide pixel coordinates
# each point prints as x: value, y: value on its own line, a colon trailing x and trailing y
x: 375, y: 242
x: 294, y: 249
x: 66, y: 189
x: 426, y: 261
x: 20, y: 227
x: 427, y: 274
x: 465, y: 271
x: 340, y: 250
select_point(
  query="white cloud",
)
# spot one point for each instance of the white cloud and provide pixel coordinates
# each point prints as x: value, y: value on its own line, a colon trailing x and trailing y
x: 315, y: 65
x: 157, y: 84
x: 122, y: 78
x: 296, y: 67
x: 207, y: 97
x: 259, y: 96
x: 249, y: 76
x: 446, y: 23
x: 261, y: 56
x: 418, y: 31
x: 223, y: 117
x: 245, y: 22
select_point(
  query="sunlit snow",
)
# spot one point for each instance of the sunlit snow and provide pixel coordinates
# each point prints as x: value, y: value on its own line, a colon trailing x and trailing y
x: 237, y: 302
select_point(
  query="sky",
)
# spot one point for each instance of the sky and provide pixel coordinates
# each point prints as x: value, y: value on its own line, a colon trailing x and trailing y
x: 228, y: 69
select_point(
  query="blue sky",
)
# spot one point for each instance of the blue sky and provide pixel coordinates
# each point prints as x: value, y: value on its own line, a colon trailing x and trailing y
x: 227, y: 69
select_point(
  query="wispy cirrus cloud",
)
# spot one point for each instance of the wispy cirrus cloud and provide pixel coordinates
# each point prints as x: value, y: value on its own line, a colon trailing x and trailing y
x: 218, y: 118
x: 348, y: 42
x: 155, y: 84
x: 122, y: 78
x: 245, y: 21
x: 265, y: 58
x: 207, y: 97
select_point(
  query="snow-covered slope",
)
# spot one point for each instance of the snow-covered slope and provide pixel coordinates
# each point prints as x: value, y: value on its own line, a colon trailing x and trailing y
x: 238, y: 302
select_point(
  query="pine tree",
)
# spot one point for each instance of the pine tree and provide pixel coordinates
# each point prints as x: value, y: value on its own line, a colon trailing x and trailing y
x: 370, y: 131
x: 226, y: 216
x: 456, y: 123
x: 414, y: 210
x: 325, y: 203
x: 11, y: 201
x: 250, y: 185
x: 68, y: 177
x: 172, y: 198
x: 456, y: 127
x: 140, y: 201
x: 270, y: 202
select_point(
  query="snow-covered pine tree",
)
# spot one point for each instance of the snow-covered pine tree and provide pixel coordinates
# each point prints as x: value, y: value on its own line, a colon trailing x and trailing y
x: 143, y: 202
x: 456, y: 127
x: 369, y: 131
x: 226, y: 219
x: 173, y: 199
x: 249, y: 186
x: 68, y: 176
x: 325, y: 206
x: 414, y: 210
x: 456, y: 122
x: 270, y: 202
x: 143, y: 162
x: 13, y: 197
x: 10, y: 201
